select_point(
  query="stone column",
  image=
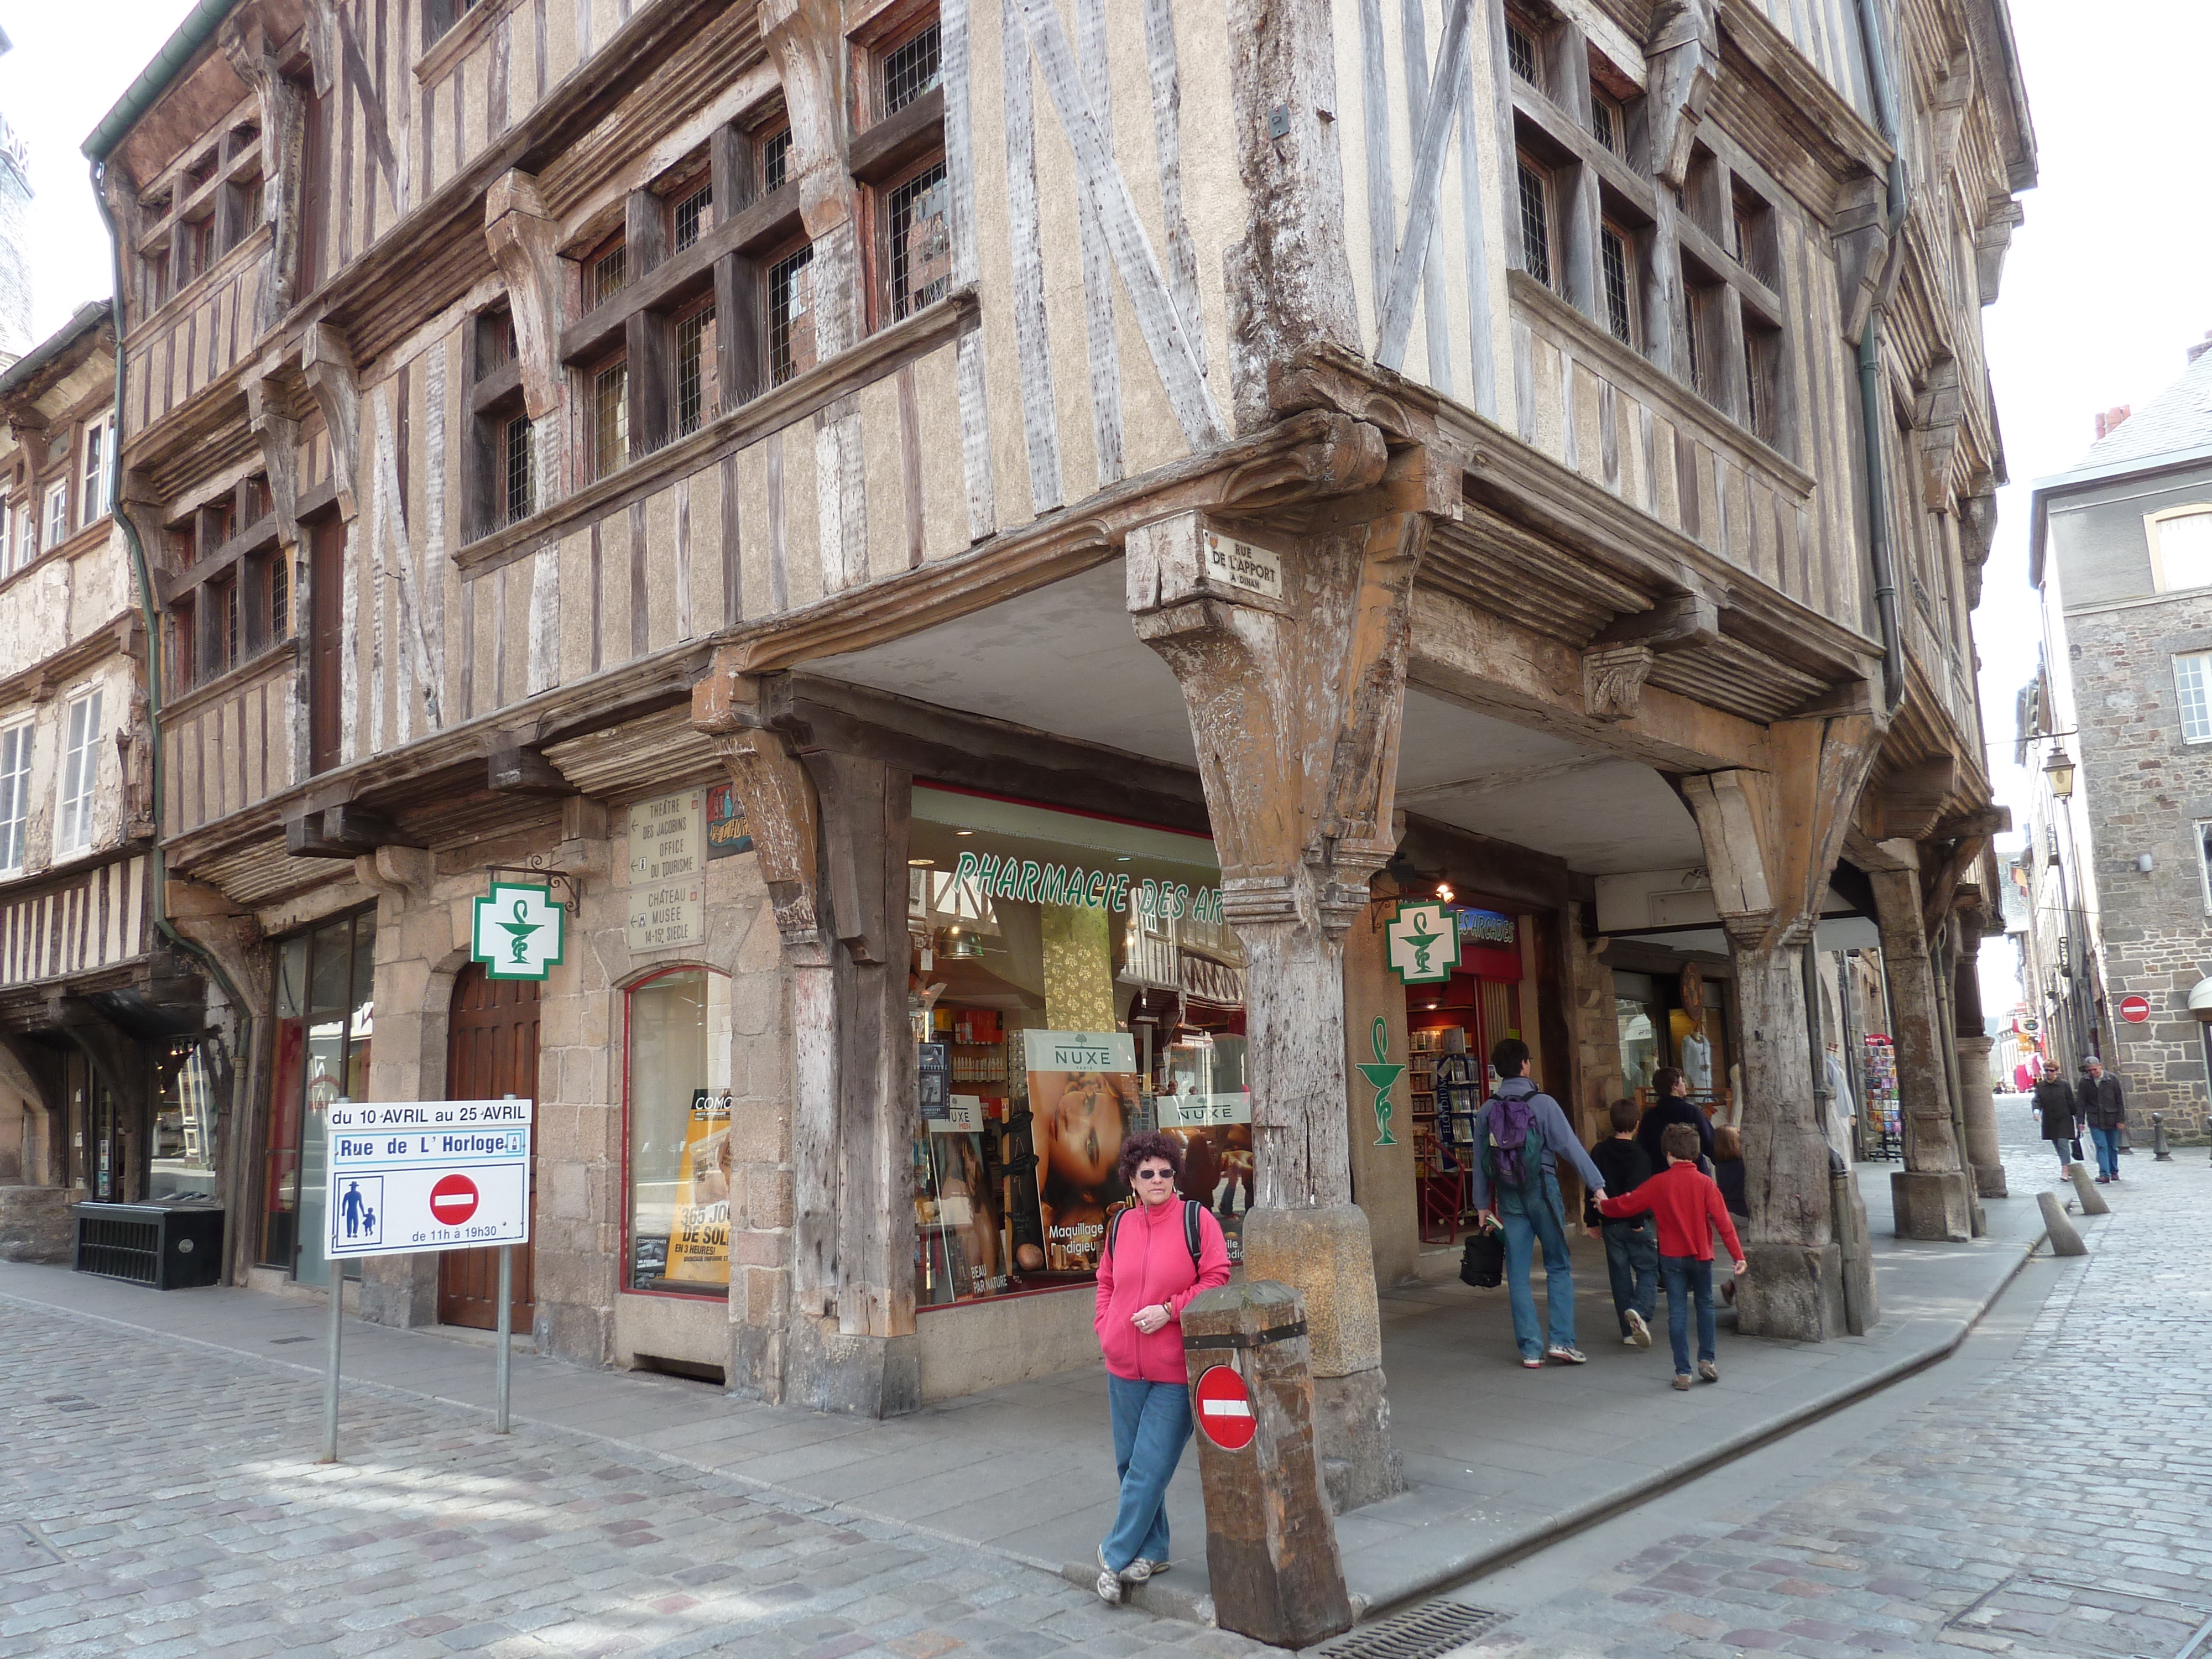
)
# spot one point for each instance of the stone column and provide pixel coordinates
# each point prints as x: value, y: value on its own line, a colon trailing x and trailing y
x: 1295, y: 689
x: 1977, y: 1091
x: 1933, y: 1195
x: 1770, y: 839
x: 822, y: 1292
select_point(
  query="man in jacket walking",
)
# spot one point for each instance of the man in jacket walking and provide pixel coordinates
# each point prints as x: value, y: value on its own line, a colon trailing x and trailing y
x: 2098, y: 1104
x: 2054, y: 1104
x: 1520, y: 1136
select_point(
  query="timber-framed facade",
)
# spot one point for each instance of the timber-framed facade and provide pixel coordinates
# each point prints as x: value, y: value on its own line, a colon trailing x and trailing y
x: 1091, y: 510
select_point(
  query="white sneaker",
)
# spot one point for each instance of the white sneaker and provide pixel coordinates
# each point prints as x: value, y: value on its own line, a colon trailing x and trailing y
x: 1110, y: 1588
x: 1140, y: 1571
x: 1640, y: 1334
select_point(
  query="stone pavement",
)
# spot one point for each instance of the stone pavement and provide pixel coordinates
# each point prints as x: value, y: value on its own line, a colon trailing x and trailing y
x: 158, y: 1500
x: 2049, y: 1493
x: 1501, y: 1458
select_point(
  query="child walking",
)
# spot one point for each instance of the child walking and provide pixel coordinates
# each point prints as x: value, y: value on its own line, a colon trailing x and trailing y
x: 1689, y: 1210
x: 1632, y: 1253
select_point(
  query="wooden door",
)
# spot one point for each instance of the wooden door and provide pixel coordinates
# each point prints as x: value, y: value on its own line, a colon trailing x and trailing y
x: 492, y: 1050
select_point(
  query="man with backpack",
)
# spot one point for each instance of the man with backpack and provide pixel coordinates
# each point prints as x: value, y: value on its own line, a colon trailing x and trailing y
x: 1520, y: 1135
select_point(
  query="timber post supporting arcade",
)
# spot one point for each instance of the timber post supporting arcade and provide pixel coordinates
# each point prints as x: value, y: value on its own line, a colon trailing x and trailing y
x: 1771, y: 841
x: 1294, y: 680
x: 822, y: 1290
x: 1933, y: 1195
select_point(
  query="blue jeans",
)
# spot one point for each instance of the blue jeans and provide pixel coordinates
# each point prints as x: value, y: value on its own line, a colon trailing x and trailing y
x: 1525, y: 1229
x: 1632, y: 1261
x: 1688, y: 1278
x: 2108, y: 1149
x: 1152, y: 1425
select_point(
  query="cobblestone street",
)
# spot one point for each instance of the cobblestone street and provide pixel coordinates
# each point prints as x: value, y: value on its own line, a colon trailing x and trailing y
x: 160, y: 1500
x: 2058, y: 1503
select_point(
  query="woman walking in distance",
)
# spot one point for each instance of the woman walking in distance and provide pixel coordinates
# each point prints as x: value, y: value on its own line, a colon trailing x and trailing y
x: 1158, y: 1252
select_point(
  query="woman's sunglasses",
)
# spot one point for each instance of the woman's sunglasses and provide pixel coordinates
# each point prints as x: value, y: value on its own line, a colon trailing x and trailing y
x: 1155, y: 1174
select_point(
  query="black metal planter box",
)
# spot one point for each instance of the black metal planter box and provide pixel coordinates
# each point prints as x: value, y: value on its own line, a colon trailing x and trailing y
x: 172, y: 1247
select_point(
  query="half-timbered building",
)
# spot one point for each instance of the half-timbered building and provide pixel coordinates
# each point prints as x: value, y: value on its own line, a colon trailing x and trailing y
x: 994, y: 550
x: 106, y: 1090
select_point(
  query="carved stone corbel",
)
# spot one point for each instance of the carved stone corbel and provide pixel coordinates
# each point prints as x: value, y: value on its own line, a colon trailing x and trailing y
x: 783, y: 813
x: 404, y: 873
x: 523, y: 239
x: 1612, y: 680
x: 326, y: 361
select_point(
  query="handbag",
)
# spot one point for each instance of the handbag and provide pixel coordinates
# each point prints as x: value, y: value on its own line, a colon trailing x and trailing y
x: 2079, y: 1157
x: 1482, y: 1260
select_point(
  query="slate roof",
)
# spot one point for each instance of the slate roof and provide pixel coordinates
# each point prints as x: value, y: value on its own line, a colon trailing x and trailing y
x: 2177, y: 418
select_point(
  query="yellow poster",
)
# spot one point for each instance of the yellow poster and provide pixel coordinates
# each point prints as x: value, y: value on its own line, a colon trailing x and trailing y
x: 699, y: 1242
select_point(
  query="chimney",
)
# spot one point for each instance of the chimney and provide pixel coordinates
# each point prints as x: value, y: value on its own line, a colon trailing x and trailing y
x: 2201, y: 346
x: 2109, y: 422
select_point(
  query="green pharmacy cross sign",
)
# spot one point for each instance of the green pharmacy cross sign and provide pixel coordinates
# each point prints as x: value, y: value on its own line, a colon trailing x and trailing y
x: 1423, y: 943
x: 519, y: 931
x: 1384, y: 1076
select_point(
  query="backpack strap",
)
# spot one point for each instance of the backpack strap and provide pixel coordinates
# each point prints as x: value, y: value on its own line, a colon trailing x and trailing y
x: 1190, y: 1229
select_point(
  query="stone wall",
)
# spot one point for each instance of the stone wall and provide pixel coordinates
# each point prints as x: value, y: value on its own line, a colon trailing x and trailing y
x: 2146, y: 789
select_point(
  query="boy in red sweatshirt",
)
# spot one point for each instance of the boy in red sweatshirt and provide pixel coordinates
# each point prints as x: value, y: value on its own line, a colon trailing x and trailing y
x: 1689, y: 1210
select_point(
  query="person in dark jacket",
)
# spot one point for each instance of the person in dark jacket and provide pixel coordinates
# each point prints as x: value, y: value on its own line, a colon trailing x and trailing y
x: 1727, y: 1171
x: 1631, y: 1247
x: 1672, y: 1106
x: 2054, y: 1104
x: 2097, y: 1103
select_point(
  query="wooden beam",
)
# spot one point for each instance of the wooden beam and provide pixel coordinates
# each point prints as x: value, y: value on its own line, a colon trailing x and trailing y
x: 1446, y: 96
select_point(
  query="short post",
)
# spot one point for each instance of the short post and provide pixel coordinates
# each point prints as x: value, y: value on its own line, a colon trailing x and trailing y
x: 506, y: 1331
x: 2085, y: 1188
x: 2158, y: 1139
x: 2058, y: 1227
x: 1270, y: 1539
x: 330, y: 1375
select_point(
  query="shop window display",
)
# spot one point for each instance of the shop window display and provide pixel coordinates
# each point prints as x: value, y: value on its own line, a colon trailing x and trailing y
x: 325, y: 990
x: 1073, y: 982
x: 184, y: 1127
x: 678, y: 1102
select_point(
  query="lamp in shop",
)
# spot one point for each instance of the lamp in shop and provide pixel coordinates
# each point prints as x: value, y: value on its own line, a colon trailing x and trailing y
x: 1444, y: 891
x: 2059, y: 769
x: 961, y: 946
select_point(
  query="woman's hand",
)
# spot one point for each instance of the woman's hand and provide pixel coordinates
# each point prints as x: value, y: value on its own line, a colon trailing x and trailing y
x: 1148, y: 1319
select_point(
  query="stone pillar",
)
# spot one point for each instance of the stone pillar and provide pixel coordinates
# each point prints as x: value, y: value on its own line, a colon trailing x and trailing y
x: 1770, y: 839
x: 1295, y: 689
x: 1976, y: 1091
x: 1933, y: 1195
x: 822, y: 1292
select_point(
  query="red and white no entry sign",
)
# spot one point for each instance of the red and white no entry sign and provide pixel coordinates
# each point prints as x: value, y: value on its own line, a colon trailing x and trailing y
x: 2135, y: 1010
x: 1223, y: 1406
x: 454, y: 1200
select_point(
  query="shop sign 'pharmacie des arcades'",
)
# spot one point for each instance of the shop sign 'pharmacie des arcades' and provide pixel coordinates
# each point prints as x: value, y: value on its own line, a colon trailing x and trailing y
x: 980, y: 610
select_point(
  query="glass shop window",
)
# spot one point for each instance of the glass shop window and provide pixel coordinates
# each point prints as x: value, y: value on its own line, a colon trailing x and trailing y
x: 1075, y: 984
x: 678, y: 1099
x: 325, y: 1016
x: 184, y: 1127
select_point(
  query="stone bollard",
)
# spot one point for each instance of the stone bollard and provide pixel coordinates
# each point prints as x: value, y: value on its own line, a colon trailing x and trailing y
x: 2085, y: 1188
x: 2064, y: 1241
x: 1270, y: 1539
x: 2158, y: 1138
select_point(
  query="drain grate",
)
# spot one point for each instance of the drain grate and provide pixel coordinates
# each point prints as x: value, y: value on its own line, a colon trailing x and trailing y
x: 69, y: 1402
x: 2112, y: 1620
x: 22, y: 1549
x: 279, y: 1341
x: 1425, y: 1633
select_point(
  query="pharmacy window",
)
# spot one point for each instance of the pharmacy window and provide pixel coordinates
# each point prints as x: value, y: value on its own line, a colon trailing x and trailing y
x: 2181, y: 547
x: 676, y: 1098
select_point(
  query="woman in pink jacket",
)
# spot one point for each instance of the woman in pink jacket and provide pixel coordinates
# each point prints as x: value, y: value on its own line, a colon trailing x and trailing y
x: 1147, y: 1277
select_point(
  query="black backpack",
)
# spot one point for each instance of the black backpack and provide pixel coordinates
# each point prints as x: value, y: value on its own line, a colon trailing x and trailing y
x: 1189, y: 1226
x: 1482, y: 1260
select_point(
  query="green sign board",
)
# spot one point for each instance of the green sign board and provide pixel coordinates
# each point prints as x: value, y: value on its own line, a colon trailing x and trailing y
x: 1423, y: 943
x: 519, y: 931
